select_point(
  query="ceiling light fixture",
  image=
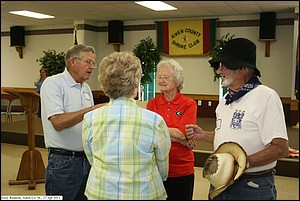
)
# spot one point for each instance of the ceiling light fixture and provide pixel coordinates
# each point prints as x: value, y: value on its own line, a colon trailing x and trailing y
x: 156, y: 5
x: 31, y: 14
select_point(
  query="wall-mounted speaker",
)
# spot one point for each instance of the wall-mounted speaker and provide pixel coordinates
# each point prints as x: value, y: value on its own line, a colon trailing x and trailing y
x: 267, y: 25
x: 17, y: 36
x: 115, y: 31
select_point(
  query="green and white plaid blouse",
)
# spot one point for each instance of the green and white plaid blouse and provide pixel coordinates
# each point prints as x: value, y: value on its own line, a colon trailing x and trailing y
x: 128, y: 149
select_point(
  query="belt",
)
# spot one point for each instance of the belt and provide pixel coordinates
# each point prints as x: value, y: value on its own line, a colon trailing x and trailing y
x: 265, y: 173
x: 67, y: 152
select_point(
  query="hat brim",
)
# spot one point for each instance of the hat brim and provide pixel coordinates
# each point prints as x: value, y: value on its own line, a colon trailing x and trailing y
x: 240, y: 156
x: 215, y: 63
x: 219, y: 190
x: 238, y: 153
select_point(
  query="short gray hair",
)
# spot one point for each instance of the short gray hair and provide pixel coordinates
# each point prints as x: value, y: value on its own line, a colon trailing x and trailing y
x: 120, y: 74
x: 177, y: 71
x: 77, y: 50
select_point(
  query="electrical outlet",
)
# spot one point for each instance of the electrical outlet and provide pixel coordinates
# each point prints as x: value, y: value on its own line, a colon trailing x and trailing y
x: 209, y: 103
x: 199, y: 102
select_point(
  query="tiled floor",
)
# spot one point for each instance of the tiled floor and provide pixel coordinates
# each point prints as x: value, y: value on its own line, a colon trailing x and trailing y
x: 288, y: 187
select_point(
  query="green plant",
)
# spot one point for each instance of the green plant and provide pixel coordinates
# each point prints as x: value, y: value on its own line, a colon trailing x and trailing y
x: 149, y: 55
x: 216, y: 51
x: 53, y: 62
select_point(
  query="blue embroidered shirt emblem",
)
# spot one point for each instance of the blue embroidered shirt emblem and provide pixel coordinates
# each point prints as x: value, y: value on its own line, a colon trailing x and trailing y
x: 236, y: 120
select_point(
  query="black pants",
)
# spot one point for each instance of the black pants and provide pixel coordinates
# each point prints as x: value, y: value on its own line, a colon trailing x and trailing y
x: 180, y: 188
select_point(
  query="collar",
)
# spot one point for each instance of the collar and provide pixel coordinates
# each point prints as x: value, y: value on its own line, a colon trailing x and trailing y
x: 123, y: 101
x: 250, y: 85
x: 69, y: 79
x: 162, y: 99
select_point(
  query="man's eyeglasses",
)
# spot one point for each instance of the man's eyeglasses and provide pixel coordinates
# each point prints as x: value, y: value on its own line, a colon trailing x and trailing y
x: 88, y: 62
x: 164, y: 77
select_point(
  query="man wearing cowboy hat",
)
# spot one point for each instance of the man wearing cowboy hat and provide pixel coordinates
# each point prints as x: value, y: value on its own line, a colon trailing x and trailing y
x: 250, y: 134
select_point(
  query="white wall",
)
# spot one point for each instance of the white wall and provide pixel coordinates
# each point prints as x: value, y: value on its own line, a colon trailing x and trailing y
x: 16, y: 72
x: 276, y: 70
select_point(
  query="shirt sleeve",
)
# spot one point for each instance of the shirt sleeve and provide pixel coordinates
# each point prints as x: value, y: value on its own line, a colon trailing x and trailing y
x: 163, y: 145
x: 86, y: 137
x: 273, y: 121
x: 149, y: 105
x: 189, y: 116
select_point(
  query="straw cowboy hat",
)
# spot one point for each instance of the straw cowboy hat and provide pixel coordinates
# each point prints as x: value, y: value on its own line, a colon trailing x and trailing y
x: 224, y: 166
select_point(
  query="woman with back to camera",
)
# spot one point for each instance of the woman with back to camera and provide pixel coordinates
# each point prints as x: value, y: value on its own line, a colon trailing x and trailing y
x: 126, y: 145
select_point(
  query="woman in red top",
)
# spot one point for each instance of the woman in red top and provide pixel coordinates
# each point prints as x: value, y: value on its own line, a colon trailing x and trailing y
x: 177, y: 110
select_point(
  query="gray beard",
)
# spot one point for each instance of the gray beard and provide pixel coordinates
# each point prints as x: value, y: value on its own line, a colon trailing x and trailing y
x: 226, y: 82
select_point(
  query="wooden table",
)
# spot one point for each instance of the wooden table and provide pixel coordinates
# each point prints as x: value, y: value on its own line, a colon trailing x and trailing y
x: 32, y: 169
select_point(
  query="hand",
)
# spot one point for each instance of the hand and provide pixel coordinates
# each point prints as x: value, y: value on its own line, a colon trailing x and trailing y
x: 193, y: 132
x: 191, y: 144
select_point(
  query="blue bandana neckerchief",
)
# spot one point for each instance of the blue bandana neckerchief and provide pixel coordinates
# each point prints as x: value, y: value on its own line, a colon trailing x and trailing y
x: 251, y: 84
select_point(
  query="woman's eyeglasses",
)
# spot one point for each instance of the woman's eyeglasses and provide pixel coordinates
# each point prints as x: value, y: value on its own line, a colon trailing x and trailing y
x: 164, y: 77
